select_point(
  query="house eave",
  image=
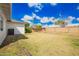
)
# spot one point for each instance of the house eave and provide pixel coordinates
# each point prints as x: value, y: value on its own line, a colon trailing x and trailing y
x: 16, y: 22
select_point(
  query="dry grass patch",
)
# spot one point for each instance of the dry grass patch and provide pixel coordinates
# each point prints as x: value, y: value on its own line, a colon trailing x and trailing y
x: 44, y: 44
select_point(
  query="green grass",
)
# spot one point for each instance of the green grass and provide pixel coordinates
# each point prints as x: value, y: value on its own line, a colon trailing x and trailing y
x: 42, y: 44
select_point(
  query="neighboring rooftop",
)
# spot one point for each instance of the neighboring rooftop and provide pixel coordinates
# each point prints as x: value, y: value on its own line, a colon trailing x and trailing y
x: 16, y: 21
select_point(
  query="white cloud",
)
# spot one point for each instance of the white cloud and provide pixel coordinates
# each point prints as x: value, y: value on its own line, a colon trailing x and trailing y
x: 35, y: 16
x: 37, y: 6
x: 77, y: 19
x: 22, y: 19
x: 77, y: 7
x: 26, y: 18
x: 44, y: 20
x: 37, y: 10
x: 31, y: 4
x: 52, y: 19
x: 69, y: 19
x: 53, y: 4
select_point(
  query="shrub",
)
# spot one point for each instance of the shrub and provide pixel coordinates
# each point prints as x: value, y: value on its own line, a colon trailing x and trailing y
x: 27, y: 25
x: 28, y: 30
x: 38, y: 27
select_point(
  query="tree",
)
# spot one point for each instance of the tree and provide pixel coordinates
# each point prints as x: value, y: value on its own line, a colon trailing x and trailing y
x: 62, y: 23
x: 28, y: 29
x: 38, y: 27
x: 27, y: 25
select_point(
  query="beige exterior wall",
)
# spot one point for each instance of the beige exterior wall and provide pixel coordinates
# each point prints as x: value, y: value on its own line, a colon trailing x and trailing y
x: 18, y: 27
x: 66, y: 29
x: 3, y: 33
x: 5, y: 13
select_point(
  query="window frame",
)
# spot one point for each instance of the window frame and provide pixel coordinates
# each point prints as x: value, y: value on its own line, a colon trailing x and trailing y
x: 1, y: 23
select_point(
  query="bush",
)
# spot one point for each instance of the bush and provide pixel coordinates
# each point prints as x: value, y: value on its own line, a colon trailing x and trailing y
x: 39, y: 27
x: 28, y: 30
x: 27, y: 25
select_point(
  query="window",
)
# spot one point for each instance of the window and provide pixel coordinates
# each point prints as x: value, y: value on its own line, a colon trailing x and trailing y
x: 1, y: 23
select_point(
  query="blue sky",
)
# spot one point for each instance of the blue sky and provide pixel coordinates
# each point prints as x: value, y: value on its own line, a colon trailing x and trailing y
x: 45, y: 13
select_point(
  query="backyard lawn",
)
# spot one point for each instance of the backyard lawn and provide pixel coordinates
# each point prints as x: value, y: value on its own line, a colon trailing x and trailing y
x: 41, y: 44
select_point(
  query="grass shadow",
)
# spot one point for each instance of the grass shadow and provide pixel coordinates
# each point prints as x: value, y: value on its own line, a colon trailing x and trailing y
x: 12, y: 38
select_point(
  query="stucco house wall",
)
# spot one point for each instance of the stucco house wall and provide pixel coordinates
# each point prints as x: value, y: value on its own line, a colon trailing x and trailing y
x: 3, y: 33
x: 18, y: 27
x: 5, y: 13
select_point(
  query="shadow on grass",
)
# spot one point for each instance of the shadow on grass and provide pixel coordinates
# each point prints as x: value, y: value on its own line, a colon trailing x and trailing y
x: 12, y: 38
